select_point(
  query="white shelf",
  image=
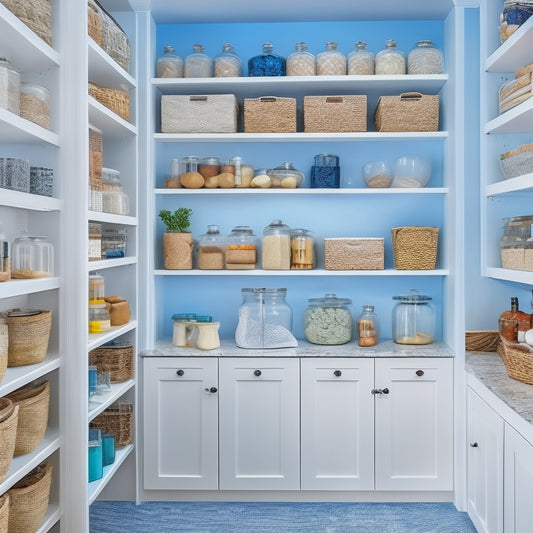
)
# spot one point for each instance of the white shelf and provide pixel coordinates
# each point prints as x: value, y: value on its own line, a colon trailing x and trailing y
x: 518, y: 276
x: 520, y: 183
x: 97, y: 216
x: 519, y: 119
x: 32, y: 202
x: 112, y: 125
x: 20, y: 287
x: 111, y: 263
x: 15, y: 129
x: 97, y: 339
x: 100, y: 402
x: 105, y: 71
x: 304, y: 191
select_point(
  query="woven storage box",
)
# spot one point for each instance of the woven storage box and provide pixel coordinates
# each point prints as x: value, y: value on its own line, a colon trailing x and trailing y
x: 415, y: 247
x: 518, y: 360
x: 407, y: 112
x: 4, y: 513
x: 117, y: 420
x: 95, y: 26
x: 33, y: 403
x: 354, y: 253
x: 517, y: 255
x: 95, y: 241
x: 28, y: 500
x: 4, y: 348
x: 117, y: 360
x: 270, y: 114
x: 117, y: 100
x: 482, y: 341
x: 212, y: 113
x: 517, y: 162
x: 36, y: 14
x: 8, y: 435
x: 330, y: 114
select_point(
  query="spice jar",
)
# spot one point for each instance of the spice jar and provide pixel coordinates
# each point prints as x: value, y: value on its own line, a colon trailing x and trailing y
x: 325, y: 173
x: 32, y: 257
x: 412, y: 319
x: 241, y: 249
x: 301, y: 62
x: 285, y: 176
x: 424, y: 58
x: 99, y: 319
x: 169, y: 65
x: 114, y: 199
x: 198, y: 64
x: 367, y: 327
x: 35, y: 104
x: 331, y: 62
x: 277, y: 246
x: 228, y: 64
x: 9, y: 87
x: 267, y: 63
x: 96, y: 288
x: 210, y: 255
x: 360, y: 60
x: 390, y: 61
x: 302, y: 249
x: 328, y: 320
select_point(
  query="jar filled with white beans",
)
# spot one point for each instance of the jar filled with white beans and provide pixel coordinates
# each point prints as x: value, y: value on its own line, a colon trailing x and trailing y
x: 301, y: 62
x: 390, y: 61
x: 424, y: 58
x: 198, y: 64
x: 169, y: 65
x: 228, y: 64
x: 360, y: 60
x: 331, y: 62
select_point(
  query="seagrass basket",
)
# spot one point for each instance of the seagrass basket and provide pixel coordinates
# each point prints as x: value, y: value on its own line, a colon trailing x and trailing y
x: 4, y: 513
x: 331, y: 114
x: 518, y: 360
x: 36, y: 14
x: 33, y: 403
x: 117, y: 360
x: 8, y: 435
x: 407, y: 112
x: 95, y: 26
x: 117, y: 420
x: 28, y: 500
x: 517, y: 162
x: 482, y: 341
x: 117, y: 100
x: 95, y: 169
x: 116, y: 42
x: 270, y: 114
x: 4, y: 346
x: 415, y: 247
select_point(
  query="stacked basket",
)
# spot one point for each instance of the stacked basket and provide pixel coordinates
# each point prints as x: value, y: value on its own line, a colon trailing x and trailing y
x: 415, y: 247
x: 8, y: 435
x: 518, y: 360
x: 117, y: 420
x: 115, y: 359
x: 36, y: 14
x: 517, y: 162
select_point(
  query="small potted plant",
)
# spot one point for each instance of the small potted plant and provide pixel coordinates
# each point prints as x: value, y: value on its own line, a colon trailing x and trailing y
x: 177, y: 240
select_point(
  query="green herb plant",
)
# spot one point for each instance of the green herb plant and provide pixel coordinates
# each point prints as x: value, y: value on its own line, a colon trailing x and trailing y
x: 177, y: 221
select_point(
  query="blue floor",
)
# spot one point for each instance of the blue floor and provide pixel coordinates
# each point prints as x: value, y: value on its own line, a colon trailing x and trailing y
x: 166, y: 517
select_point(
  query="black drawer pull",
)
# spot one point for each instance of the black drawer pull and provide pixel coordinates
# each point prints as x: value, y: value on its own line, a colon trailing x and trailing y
x: 419, y: 373
x: 337, y: 373
x: 257, y: 372
x: 180, y: 372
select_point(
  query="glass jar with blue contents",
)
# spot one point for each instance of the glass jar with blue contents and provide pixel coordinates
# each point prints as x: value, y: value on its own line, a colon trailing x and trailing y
x: 325, y: 173
x: 266, y: 63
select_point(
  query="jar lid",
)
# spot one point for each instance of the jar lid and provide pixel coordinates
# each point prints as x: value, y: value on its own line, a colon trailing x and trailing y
x: 242, y: 230
x: 278, y: 225
x: 264, y: 291
x: 413, y: 297
x: 214, y: 161
x: 329, y: 300
x: 301, y: 232
x: 169, y: 49
x: 326, y: 160
x: 184, y: 317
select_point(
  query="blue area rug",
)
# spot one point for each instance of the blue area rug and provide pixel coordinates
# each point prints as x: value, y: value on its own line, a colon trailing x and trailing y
x: 217, y: 517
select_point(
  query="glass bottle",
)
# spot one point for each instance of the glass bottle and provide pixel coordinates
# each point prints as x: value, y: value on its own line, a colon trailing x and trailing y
x: 277, y: 246
x: 301, y: 62
x: 241, y: 249
x: 9, y: 87
x: 228, y: 64
x: 96, y: 468
x: 367, y: 327
x: 360, y: 60
x: 32, y: 257
x: 267, y: 63
x: 114, y: 199
x: 331, y: 62
x: 325, y: 173
x: 424, y: 58
x: 210, y: 255
x: 328, y: 320
x: 169, y: 65
x: 302, y: 249
x: 514, y: 323
x: 198, y: 64
x: 390, y: 61
x: 412, y: 319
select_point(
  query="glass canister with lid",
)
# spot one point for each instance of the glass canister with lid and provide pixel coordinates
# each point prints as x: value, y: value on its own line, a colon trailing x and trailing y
x: 198, y: 64
x: 210, y: 255
x: 267, y: 63
x: 325, y: 173
x: 35, y: 104
x: 114, y: 199
x: 331, y: 62
x: 241, y: 249
x: 277, y: 246
x: 302, y: 249
x: 328, y: 320
x: 228, y: 64
x: 285, y: 176
x: 9, y: 86
x: 301, y: 62
x: 32, y: 257
x: 413, y: 319
x: 424, y: 58
x: 360, y: 60
x: 169, y: 65
x: 390, y: 61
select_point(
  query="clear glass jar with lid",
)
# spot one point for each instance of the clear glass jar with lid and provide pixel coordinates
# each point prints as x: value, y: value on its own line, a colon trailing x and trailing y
x: 228, y: 64
x: 328, y: 320
x: 198, y: 64
x: 367, y: 327
x: 208, y: 166
x: 285, y: 176
x: 325, y: 173
x: 9, y: 87
x: 241, y: 249
x: 211, y: 247
x: 413, y: 319
x: 267, y: 63
x: 390, y: 61
x: 360, y: 60
x: 424, y: 58
x: 99, y: 320
x: 35, y: 104
x: 301, y: 62
x: 32, y: 257
x: 277, y: 246
x: 331, y: 62
x: 169, y: 65
x: 302, y: 249
x: 96, y: 288
x: 114, y: 199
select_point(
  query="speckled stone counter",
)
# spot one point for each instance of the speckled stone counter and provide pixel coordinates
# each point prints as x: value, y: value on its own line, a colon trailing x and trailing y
x: 305, y: 349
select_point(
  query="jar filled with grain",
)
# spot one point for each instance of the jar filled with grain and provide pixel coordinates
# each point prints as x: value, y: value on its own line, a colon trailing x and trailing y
x: 209, y: 166
x: 328, y: 320
x: 114, y: 199
x: 169, y: 65
x: 390, y: 61
x: 302, y: 249
x: 424, y: 58
x: 241, y: 249
x: 301, y: 62
x: 9, y: 87
x: 412, y: 319
x: 277, y: 246
x: 367, y: 327
x: 228, y: 64
x: 198, y: 64
x: 32, y: 257
x: 267, y: 63
x: 360, y: 60
x: 35, y: 104
x: 331, y: 62
x: 210, y: 253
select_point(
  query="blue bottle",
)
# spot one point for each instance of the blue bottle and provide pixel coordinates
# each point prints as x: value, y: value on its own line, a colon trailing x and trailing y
x: 267, y: 63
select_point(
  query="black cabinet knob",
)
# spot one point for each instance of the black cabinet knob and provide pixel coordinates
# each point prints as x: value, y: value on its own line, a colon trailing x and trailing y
x: 212, y: 390
x: 180, y: 372
x: 385, y: 391
x: 380, y: 391
x: 257, y: 372
x: 474, y: 444
x: 337, y: 373
x: 419, y: 373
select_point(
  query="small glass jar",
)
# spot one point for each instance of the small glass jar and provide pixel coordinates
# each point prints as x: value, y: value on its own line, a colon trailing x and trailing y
x: 285, y: 176
x: 198, y: 64
x: 377, y: 174
x: 208, y: 167
x: 302, y: 249
x: 412, y: 319
x: 96, y: 467
x: 210, y: 254
x: 267, y: 63
x: 96, y: 288
x: 301, y: 62
x: 331, y: 62
x: 277, y: 246
x: 228, y: 64
x: 241, y: 249
x: 114, y: 199
x: 424, y: 58
x: 328, y: 320
x: 360, y: 60
x: 32, y: 257
x: 390, y: 61
x: 183, y: 329
x: 35, y: 104
x: 367, y: 327
x: 99, y: 319
x: 325, y: 173
x: 169, y: 65
x: 9, y: 87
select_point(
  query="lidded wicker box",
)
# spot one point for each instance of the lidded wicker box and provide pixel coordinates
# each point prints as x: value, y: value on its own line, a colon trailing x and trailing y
x: 117, y: 419
x: 415, y: 247
x: 36, y: 14
x: 357, y: 253
x: 115, y: 359
x: 411, y: 111
x: 270, y: 114
x: 335, y: 114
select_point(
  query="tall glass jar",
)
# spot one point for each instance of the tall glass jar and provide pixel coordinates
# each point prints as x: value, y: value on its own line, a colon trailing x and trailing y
x: 302, y: 249
x: 390, y: 61
x: 228, y: 64
x: 96, y: 288
x: 267, y: 63
x: 424, y: 58
x: 277, y: 246
x: 367, y: 327
x: 198, y: 64
x: 360, y: 60
x: 35, y: 104
x: 114, y: 199
x: 169, y: 65
x: 328, y: 320
x: 9, y: 87
x: 32, y: 257
x: 331, y: 62
x: 210, y: 254
x: 412, y: 319
x: 241, y: 249
x: 325, y: 173
x: 301, y: 62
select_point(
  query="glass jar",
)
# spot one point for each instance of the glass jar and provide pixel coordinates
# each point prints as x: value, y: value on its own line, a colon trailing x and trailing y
x: 236, y: 163
x: 331, y: 62
x: 325, y: 173
x: 198, y: 64
x: 265, y: 320
x: 277, y: 246
x: 96, y: 467
x: 169, y: 65
x: 188, y: 164
x: 301, y: 62
x: 208, y: 167
x: 302, y: 249
x: 285, y: 176
x: 114, y: 199
x: 390, y: 61
x: 35, y: 104
x: 183, y: 329
x: 267, y: 63
x: 96, y: 288
x: 9, y: 87
x: 210, y: 255
x: 228, y: 64
x: 367, y: 327
x: 360, y: 60
x: 328, y: 320
x: 241, y: 249
x: 412, y: 319
x: 108, y: 449
x: 32, y: 257
x: 377, y: 174
x: 424, y: 58
x: 99, y: 319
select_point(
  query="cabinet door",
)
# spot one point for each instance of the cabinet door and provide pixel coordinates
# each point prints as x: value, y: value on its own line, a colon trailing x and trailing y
x: 337, y: 426
x: 414, y: 424
x: 518, y: 483
x: 180, y: 423
x: 259, y: 423
x: 485, y: 465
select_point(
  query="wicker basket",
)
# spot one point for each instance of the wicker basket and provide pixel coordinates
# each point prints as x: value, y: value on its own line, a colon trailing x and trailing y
x: 116, y: 43
x: 4, y: 513
x: 8, y: 437
x: 117, y: 100
x: 29, y: 500
x: 33, y: 403
x: 517, y: 164
x: 518, y: 360
x: 4, y: 345
x: 270, y: 114
x: 407, y: 112
x: 117, y: 360
x: 117, y: 420
x: 482, y: 341
x: 415, y: 247
x: 330, y: 114
x: 95, y: 26
x: 354, y: 253
x: 36, y: 14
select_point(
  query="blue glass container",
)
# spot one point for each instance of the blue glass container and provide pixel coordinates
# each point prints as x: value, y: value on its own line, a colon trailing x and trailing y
x: 108, y: 448
x: 93, y: 380
x: 96, y: 468
x: 325, y: 173
x: 267, y: 63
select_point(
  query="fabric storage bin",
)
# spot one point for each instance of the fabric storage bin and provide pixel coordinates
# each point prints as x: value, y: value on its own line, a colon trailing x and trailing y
x: 8, y: 435
x: 358, y: 253
x: 212, y: 113
x: 117, y: 420
x: 4, y: 513
x: 411, y: 111
x: 36, y: 14
x: 517, y: 255
x: 331, y: 114
x: 415, y: 247
x: 117, y: 100
x: 115, y: 359
x: 270, y: 114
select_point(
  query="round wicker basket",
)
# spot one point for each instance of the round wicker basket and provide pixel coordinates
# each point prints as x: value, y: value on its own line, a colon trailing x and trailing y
x: 518, y: 360
x: 4, y: 345
x: 4, y: 513
x: 8, y: 436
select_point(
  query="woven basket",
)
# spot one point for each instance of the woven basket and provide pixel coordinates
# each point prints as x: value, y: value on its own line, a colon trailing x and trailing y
x: 330, y: 114
x: 517, y: 165
x: 116, y: 42
x: 345, y: 253
x: 95, y: 26
x: 117, y: 360
x: 270, y: 114
x: 415, y: 247
x: 36, y: 14
x: 4, y: 513
x: 117, y: 100
x: 482, y: 341
x: 95, y: 169
x: 4, y: 349
x: 8, y: 436
x: 29, y: 500
x: 407, y: 112
x: 518, y: 360
x: 118, y: 421
x: 33, y: 403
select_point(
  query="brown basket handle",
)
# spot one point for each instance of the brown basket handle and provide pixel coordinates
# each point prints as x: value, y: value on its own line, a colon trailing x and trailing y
x: 197, y: 98
x: 334, y: 99
x: 411, y: 96
x: 268, y: 98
